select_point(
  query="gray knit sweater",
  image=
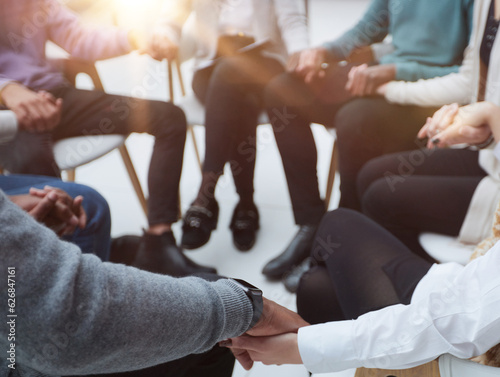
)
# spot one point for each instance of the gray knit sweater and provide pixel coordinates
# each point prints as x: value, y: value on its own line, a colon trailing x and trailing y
x: 77, y: 315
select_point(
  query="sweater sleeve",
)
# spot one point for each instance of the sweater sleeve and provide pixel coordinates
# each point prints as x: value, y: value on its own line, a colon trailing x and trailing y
x: 86, y: 43
x: 78, y: 315
x: 413, y: 71
x: 372, y: 28
x: 454, y: 87
x: 293, y: 24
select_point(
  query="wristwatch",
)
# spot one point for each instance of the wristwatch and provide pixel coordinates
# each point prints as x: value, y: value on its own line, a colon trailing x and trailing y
x: 255, y: 296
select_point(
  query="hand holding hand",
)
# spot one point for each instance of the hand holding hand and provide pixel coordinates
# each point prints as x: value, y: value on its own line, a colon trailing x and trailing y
x: 311, y: 63
x: 270, y: 350
x: 275, y: 320
x: 452, y: 125
x: 364, y: 80
x: 161, y: 46
x: 55, y: 208
x: 35, y: 111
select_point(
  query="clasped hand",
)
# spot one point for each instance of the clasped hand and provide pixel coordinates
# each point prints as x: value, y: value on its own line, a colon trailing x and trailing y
x: 54, y: 208
x: 273, y: 340
x: 452, y: 125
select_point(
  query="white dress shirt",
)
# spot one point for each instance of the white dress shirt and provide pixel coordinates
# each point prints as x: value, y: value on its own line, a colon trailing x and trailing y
x: 8, y: 125
x: 236, y: 16
x: 454, y: 309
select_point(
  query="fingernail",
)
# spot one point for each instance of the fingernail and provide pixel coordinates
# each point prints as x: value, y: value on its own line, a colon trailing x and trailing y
x: 226, y: 343
x: 435, y: 141
x: 52, y: 196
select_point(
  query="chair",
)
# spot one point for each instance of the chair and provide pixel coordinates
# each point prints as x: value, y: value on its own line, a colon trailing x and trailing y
x: 73, y: 152
x: 426, y: 370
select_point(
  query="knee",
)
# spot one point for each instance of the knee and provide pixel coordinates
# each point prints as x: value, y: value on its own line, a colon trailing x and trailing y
x: 378, y: 201
x: 350, y: 121
x: 369, y: 173
x: 173, y: 124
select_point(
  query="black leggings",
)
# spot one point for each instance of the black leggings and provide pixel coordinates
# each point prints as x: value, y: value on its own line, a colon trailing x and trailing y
x: 359, y: 267
x: 232, y: 94
x: 420, y: 191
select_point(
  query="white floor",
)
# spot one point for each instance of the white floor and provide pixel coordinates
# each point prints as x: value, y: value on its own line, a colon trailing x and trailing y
x: 327, y: 19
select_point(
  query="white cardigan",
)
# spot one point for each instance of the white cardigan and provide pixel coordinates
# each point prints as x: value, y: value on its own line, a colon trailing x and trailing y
x: 281, y: 21
x: 462, y: 87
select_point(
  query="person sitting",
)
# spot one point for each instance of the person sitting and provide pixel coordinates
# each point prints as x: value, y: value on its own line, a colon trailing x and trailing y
x: 49, y: 109
x: 453, y: 191
x: 76, y: 315
x: 230, y: 84
x: 344, y: 96
x: 387, y: 307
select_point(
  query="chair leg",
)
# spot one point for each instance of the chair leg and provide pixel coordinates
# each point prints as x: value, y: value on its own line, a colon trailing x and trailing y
x: 195, y: 145
x: 133, y: 178
x: 331, y: 175
x: 71, y: 173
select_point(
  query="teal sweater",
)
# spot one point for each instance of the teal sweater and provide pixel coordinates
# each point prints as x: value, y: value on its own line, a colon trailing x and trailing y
x: 429, y: 36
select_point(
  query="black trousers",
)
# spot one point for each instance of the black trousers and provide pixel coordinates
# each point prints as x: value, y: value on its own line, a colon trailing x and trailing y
x: 420, y: 191
x: 93, y: 113
x: 359, y: 267
x: 232, y: 94
x: 218, y: 362
x: 366, y: 128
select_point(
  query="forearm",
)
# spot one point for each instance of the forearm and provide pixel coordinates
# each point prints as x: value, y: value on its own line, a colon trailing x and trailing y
x: 413, y: 71
x: 83, y: 42
x: 372, y: 28
x: 114, y: 318
x: 455, y: 312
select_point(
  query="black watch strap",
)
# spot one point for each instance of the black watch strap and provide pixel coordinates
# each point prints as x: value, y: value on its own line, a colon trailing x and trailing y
x: 255, y: 296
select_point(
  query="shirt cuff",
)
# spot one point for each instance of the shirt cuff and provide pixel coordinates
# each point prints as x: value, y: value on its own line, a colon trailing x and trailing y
x: 328, y: 347
x: 8, y: 125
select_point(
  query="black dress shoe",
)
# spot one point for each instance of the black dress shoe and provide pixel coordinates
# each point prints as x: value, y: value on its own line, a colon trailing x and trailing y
x: 160, y: 254
x: 197, y: 225
x: 291, y: 279
x: 124, y: 249
x: 244, y: 225
x: 298, y: 250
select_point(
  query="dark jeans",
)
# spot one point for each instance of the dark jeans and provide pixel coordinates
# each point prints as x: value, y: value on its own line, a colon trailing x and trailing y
x: 218, y: 362
x: 232, y: 94
x: 359, y: 267
x: 420, y: 191
x: 366, y: 128
x: 96, y: 113
x: 95, y: 237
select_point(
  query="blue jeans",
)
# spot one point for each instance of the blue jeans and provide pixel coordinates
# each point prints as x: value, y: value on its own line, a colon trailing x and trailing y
x: 95, y: 238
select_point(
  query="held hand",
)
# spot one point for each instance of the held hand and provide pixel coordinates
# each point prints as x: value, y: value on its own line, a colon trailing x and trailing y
x: 276, y: 319
x: 161, y: 46
x: 270, y: 350
x: 452, y: 125
x: 35, y: 112
x: 311, y: 63
x: 364, y: 80
x: 53, y: 207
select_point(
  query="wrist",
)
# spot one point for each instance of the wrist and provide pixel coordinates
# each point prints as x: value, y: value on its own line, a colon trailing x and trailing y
x: 255, y: 296
x: 3, y: 90
x: 492, y: 119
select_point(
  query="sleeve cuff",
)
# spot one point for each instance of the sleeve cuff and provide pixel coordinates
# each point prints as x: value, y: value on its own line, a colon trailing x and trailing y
x: 8, y: 125
x: 328, y: 347
x: 237, y: 306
